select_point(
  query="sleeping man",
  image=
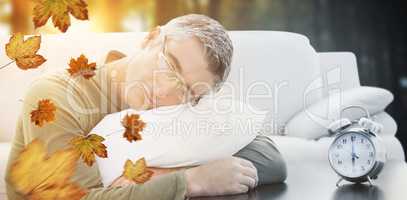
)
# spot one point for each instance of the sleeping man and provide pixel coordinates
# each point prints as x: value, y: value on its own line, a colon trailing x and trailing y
x: 195, y: 52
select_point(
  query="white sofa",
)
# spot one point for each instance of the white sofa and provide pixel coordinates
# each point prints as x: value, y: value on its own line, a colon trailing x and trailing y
x: 281, y: 68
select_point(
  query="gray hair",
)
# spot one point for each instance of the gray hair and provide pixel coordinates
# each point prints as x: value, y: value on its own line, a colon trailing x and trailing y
x: 217, y: 45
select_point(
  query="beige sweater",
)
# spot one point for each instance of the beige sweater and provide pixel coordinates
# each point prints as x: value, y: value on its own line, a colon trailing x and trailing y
x: 81, y: 104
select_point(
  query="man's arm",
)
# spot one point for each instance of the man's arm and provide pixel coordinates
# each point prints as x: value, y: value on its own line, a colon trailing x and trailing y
x: 166, y: 187
x: 267, y: 159
x: 68, y: 124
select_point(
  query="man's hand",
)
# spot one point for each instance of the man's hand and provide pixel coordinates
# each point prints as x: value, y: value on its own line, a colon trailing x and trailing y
x: 223, y: 177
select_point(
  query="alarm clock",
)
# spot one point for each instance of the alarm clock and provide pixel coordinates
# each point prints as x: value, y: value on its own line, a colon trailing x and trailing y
x: 357, y: 153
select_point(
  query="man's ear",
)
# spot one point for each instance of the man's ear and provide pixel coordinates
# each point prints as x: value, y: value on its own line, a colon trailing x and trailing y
x: 151, y: 36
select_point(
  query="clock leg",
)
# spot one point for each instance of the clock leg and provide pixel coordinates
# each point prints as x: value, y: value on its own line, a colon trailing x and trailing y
x: 370, y: 181
x: 339, y: 181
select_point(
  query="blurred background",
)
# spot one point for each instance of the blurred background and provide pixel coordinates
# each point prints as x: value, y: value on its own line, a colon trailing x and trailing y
x: 375, y: 30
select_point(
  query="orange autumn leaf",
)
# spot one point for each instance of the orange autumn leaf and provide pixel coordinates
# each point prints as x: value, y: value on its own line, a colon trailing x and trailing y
x: 25, y: 52
x: 138, y: 172
x: 80, y: 66
x: 89, y: 146
x: 45, y: 112
x: 36, y: 175
x: 133, y: 126
x: 59, y: 12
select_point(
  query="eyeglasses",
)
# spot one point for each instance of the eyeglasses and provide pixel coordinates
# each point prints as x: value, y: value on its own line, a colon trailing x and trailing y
x: 175, y: 76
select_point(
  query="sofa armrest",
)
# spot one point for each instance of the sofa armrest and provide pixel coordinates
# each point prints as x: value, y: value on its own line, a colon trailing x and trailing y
x: 389, y: 124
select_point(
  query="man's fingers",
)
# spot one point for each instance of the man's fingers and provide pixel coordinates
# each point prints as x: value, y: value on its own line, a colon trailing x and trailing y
x: 250, y: 172
x: 243, y: 188
x: 245, y: 162
x: 249, y: 165
x: 248, y: 181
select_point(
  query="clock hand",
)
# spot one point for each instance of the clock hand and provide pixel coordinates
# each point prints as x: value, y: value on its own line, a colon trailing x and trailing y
x: 353, y: 154
x: 353, y: 161
x: 353, y: 151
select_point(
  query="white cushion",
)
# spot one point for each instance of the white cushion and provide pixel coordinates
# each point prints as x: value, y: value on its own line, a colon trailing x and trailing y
x: 177, y: 136
x: 313, y: 121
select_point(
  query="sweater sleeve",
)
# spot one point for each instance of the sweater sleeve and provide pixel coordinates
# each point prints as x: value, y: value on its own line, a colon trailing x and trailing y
x: 68, y: 124
x: 165, y: 187
x: 267, y: 159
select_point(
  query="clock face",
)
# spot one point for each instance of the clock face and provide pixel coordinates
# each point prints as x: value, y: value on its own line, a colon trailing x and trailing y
x: 352, y: 154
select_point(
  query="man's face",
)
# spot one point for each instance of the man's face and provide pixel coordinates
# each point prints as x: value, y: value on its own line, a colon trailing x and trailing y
x: 173, y: 72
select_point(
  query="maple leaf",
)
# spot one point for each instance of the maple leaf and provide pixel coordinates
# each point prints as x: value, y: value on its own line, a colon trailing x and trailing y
x: 39, y: 176
x: 80, y: 66
x: 45, y: 112
x: 138, y: 172
x: 67, y: 192
x: 59, y: 10
x: 133, y: 126
x: 88, y: 146
x: 25, y: 52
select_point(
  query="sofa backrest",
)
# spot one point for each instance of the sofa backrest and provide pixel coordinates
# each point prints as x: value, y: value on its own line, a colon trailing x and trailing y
x: 275, y: 72
x: 279, y: 67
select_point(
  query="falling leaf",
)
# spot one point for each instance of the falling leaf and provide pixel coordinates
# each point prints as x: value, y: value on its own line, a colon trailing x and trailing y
x: 59, y: 11
x: 80, y: 66
x: 138, y: 172
x: 88, y: 146
x: 45, y: 112
x: 25, y: 52
x: 133, y: 126
x: 67, y: 192
x: 39, y: 176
